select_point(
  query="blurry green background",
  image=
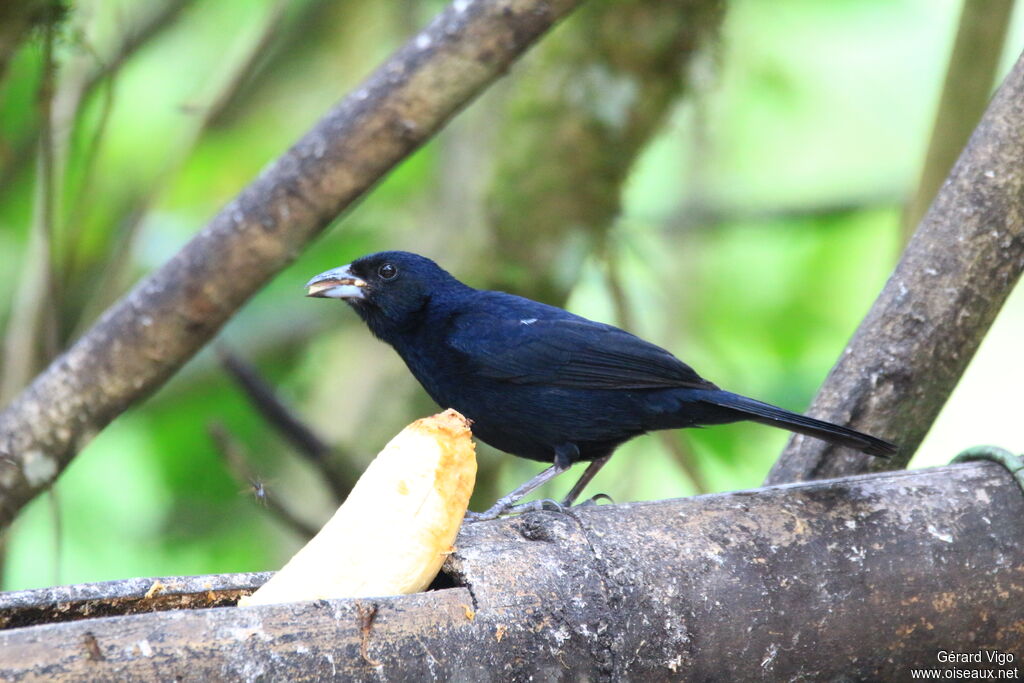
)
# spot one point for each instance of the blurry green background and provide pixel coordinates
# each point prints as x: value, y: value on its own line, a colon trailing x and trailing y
x: 756, y: 227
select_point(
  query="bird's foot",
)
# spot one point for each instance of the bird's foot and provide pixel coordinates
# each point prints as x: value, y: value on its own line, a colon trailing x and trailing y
x: 548, y: 504
x: 508, y: 504
x: 500, y: 510
x: 545, y: 504
x: 472, y: 517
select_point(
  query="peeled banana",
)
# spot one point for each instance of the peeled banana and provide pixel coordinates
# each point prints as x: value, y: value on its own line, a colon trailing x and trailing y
x: 396, y: 527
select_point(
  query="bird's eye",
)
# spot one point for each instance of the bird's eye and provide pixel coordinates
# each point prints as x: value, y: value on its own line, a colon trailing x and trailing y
x: 387, y: 271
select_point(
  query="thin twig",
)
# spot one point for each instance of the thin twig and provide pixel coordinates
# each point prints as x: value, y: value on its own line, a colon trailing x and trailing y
x: 699, y: 217
x: 223, y: 91
x: 31, y: 335
x: 79, y: 207
x: 263, y: 397
x: 266, y: 401
x: 683, y: 457
x: 972, y: 70
x: 58, y: 534
x: 242, y: 71
x: 234, y: 456
x: 135, y: 38
x: 295, y: 23
x: 620, y: 300
x: 148, y: 28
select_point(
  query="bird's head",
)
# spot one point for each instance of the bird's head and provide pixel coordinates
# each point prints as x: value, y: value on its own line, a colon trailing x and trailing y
x: 390, y: 290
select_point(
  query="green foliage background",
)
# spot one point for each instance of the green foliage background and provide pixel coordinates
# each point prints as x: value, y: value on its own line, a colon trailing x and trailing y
x: 756, y: 230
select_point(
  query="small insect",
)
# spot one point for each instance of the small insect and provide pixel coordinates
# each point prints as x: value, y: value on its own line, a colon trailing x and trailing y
x: 258, y: 490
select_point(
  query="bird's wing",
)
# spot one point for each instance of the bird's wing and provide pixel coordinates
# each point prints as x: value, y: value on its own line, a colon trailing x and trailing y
x: 566, y: 351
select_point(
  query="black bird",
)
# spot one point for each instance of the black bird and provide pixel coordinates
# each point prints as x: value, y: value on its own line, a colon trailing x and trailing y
x: 537, y: 381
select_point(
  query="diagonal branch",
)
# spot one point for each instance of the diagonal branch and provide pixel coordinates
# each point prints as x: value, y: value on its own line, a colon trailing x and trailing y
x: 279, y: 416
x: 146, y: 336
x: 237, y: 463
x: 911, y: 349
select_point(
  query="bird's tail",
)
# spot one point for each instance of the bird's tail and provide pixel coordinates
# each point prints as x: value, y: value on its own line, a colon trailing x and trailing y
x: 768, y: 414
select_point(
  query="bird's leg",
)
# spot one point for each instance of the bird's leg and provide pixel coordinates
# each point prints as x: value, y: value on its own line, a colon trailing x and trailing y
x: 507, y: 506
x: 570, y: 498
x: 592, y: 469
x: 563, y: 460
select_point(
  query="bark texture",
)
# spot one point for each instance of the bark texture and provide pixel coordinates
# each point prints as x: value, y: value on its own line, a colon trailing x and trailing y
x: 129, y: 596
x: 915, y: 343
x: 141, y: 340
x: 854, y: 579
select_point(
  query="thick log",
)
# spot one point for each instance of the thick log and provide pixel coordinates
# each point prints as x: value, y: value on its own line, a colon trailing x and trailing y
x: 855, y: 579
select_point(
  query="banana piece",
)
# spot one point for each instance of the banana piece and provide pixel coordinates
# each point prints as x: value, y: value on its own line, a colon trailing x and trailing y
x: 396, y: 527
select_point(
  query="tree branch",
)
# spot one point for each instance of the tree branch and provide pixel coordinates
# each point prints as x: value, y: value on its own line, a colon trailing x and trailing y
x: 820, y: 581
x: 140, y: 341
x: 911, y: 349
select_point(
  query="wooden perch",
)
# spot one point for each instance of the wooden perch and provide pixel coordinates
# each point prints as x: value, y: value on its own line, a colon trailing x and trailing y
x: 922, y: 331
x: 145, y: 337
x: 854, y: 579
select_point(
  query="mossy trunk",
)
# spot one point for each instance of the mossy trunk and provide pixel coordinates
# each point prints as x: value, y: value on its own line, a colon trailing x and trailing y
x: 591, y: 98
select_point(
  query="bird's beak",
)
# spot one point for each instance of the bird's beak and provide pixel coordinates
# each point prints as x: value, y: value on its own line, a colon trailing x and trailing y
x: 338, y: 283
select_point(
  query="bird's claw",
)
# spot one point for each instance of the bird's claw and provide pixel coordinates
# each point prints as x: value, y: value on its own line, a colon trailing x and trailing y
x: 545, y: 504
x: 593, y: 500
x: 472, y: 517
x: 507, y: 510
x: 549, y: 504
